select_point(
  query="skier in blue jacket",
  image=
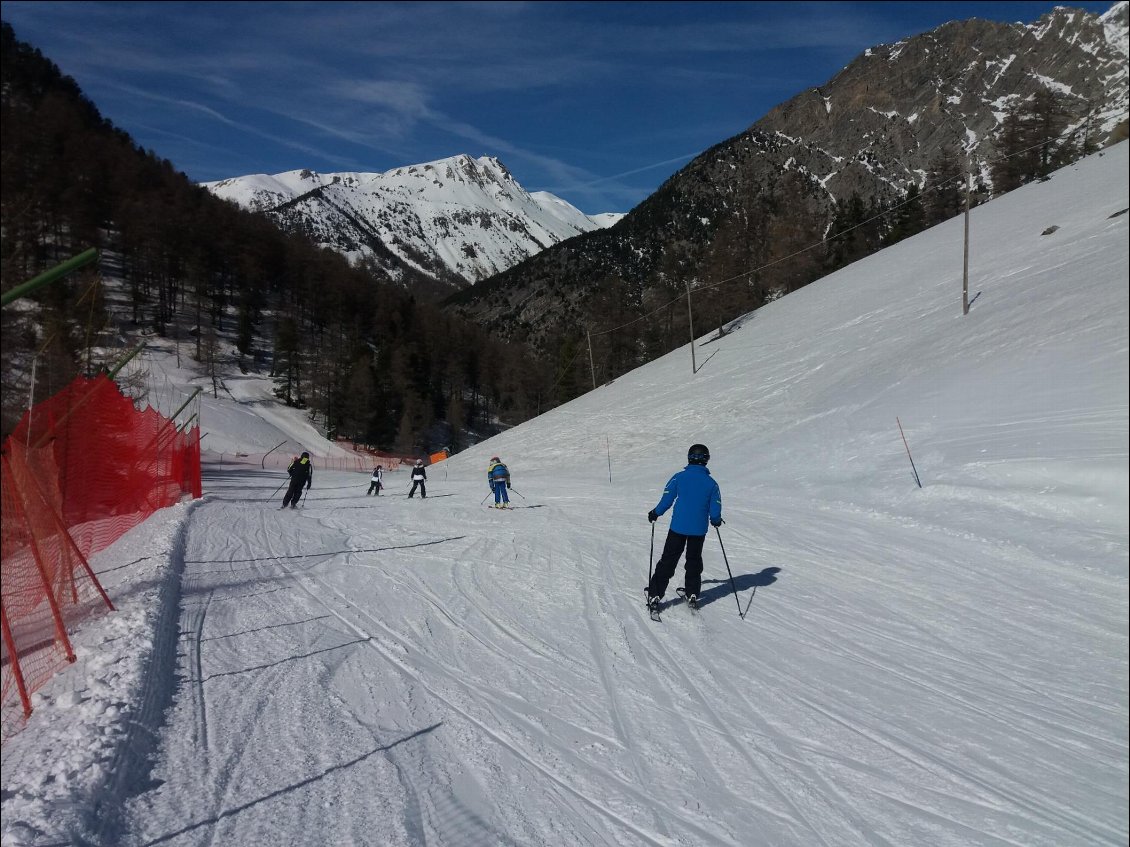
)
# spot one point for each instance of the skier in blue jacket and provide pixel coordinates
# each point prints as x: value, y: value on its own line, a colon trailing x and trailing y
x: 498, y: 478
x: 697, y: 500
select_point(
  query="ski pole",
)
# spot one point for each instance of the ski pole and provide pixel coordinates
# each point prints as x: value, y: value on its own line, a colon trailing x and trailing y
x: 650, y: 558
x: 485, y: 498
x: 277, y: 490
x: 903, y: 434
x: 731, y: 573
x: 519, y: 493
x: 304, y: 493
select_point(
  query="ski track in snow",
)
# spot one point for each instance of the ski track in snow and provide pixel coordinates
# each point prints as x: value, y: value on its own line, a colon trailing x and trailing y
x: 499, y: 652
x: 941, y: 665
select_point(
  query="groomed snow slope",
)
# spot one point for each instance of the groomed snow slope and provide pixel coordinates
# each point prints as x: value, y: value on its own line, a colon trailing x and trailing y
x: 944, y: 665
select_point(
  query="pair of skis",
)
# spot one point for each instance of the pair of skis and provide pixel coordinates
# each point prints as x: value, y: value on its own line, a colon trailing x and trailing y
x: 653, y: 611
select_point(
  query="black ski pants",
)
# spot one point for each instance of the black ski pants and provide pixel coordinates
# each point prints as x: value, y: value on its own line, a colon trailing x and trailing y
x: 665, y: 567
x: 294, y: 492
x: 423, y: 489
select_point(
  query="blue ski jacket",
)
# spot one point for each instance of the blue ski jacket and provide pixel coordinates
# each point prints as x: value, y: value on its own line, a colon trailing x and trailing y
x: 697, y: 499
x: 498, y: 474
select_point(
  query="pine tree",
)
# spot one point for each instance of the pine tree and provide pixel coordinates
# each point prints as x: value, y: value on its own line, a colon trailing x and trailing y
x: 907, y: 218
x: 943, y: 192
x: 1029, y: 144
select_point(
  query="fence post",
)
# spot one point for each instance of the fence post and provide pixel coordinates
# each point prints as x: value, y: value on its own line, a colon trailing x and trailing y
x: 263, y: 463
x: 113, y: 372
x: 62, y: 529
x: 31, y: 399
x: 57, y: 272
x: 56, y: 614
x: 14, y: 656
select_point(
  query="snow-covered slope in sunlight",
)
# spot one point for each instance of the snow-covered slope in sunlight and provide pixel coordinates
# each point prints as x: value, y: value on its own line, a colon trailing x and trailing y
x: 239, y: 412
x: 874, y: 662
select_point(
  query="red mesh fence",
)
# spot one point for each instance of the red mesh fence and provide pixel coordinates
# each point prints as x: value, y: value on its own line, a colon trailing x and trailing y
x: 81, y: 469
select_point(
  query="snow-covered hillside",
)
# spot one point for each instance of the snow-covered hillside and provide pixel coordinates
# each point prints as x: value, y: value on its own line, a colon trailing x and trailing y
x: 460, y: 216
x: 944, y: 665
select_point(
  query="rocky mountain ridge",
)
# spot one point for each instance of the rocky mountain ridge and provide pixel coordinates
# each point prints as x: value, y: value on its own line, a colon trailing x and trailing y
x: 751, y: 208
x: 441, y: 225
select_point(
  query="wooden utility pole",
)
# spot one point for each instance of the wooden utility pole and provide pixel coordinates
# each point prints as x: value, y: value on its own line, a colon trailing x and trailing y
x: 965, y: 269
x: 592, y: 367
x: 690, y: 321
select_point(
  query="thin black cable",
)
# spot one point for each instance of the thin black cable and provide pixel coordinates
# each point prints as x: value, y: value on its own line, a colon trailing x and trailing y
x: 947, y: 184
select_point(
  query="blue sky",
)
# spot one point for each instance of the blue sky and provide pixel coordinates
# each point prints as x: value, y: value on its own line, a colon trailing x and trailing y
x: 597, y: 103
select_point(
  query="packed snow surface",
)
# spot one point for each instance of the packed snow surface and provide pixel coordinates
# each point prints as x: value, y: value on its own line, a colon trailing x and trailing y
x: 944, y: 665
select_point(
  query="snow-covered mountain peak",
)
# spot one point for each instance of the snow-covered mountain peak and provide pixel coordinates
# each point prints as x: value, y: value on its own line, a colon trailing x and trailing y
x: 456, y: 175
x: 1116, y: 23
x: 452, y: 221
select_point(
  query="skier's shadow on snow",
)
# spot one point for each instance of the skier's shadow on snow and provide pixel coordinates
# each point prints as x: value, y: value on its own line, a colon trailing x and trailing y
x: 742, y: 582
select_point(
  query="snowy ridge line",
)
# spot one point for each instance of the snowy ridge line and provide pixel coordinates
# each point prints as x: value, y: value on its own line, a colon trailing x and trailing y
x: 457, y: 216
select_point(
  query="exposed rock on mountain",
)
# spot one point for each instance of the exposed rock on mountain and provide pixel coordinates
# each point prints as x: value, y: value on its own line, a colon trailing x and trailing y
x: 764, y: 200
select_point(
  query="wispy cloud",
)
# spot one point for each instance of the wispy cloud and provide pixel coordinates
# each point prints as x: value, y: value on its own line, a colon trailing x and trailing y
x: 208, y: 111
x: 573, y: 96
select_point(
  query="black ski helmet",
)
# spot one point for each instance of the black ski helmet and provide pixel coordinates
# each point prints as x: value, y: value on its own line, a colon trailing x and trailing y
x: 698, y: 455
x: 305, y: 455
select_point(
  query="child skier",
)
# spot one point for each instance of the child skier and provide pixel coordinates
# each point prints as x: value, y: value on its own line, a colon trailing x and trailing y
x: 697, y: 499
x: 375, y: 484
x: 419, y: 477
x: 498, y: 478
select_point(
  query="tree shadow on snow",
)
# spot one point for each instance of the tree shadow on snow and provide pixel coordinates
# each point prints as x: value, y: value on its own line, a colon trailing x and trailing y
x: 297, y: 786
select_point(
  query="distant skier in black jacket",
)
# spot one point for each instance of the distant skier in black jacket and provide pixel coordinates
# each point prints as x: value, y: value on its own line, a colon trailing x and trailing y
x: 419, y: 477
x: 301, y: 473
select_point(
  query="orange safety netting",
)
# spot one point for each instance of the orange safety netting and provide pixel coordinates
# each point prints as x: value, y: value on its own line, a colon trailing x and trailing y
x: 81, y: 469
x: 282, y: 459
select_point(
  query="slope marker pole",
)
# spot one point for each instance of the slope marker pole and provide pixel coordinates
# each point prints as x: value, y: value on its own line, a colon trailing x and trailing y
x: 903, y: 434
